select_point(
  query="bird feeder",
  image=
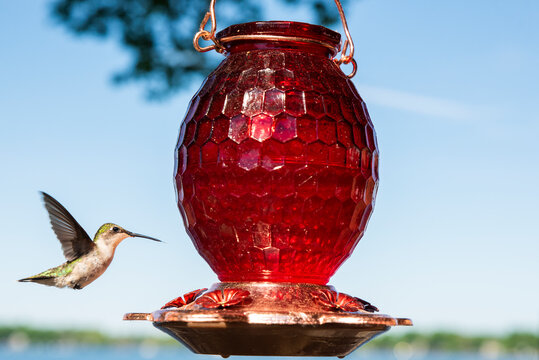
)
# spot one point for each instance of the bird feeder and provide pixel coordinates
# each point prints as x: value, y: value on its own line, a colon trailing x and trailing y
x: 276, y: 175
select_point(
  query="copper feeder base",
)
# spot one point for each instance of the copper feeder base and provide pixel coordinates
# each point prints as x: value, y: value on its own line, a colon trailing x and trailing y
x: 280, y: 319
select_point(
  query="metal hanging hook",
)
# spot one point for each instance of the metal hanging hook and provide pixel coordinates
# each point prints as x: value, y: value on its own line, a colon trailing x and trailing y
x: 208, y: 35
x: 348, y: 44
x: 347, y: 53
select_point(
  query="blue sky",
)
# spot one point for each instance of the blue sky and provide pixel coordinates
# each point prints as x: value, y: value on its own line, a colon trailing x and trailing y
x: 452, y: 87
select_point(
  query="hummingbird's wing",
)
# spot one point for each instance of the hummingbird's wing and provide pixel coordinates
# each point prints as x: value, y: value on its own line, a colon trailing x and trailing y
x: 75, y: 241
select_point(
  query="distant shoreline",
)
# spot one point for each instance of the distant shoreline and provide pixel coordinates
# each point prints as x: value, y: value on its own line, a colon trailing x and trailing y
x: 512, y: 343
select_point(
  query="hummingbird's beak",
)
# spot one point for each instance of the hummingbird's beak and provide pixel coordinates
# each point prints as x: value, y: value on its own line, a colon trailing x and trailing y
x: 141, y: 236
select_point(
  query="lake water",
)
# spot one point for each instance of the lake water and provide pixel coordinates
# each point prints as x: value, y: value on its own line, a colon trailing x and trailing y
x: 149, y: 352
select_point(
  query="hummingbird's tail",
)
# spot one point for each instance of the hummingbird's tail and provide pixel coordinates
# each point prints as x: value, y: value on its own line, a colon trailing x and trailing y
x: 45, y: 280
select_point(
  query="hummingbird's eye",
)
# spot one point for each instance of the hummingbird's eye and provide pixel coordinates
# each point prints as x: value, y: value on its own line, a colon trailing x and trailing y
x: 116, y: 229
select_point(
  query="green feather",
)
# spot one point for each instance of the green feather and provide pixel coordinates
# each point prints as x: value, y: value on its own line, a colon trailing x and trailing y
x: 59, y: 271
x: 103, y: 229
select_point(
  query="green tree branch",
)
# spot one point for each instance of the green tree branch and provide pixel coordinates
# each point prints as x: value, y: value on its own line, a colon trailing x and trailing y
x: 158, y: 33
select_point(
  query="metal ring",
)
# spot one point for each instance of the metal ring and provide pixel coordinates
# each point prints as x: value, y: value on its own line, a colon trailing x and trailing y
x: 354, y: 65
x: 276, y: 38
x: 203, y: 35
x: 354, y: 70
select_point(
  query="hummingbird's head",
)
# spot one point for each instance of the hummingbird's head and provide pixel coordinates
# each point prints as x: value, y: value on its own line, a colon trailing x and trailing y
x: 112, y: 234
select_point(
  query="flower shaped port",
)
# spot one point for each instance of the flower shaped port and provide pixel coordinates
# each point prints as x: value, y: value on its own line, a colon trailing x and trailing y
x: 187, y: 299
x: 220, y: 299
x: 335, y: 301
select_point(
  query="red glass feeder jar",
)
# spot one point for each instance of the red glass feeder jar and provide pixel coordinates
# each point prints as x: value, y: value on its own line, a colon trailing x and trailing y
x: 276, y: 162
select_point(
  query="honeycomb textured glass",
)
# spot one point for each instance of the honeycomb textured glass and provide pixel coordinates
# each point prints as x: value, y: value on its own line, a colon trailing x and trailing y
x: 276, y: 162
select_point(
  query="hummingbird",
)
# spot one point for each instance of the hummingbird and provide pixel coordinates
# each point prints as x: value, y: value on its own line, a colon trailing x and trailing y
x: 86, y: 259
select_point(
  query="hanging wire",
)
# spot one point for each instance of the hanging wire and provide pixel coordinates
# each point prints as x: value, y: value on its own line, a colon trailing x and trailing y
x: 348, y: 44
x: 208, y: 35
x: 347, y: 52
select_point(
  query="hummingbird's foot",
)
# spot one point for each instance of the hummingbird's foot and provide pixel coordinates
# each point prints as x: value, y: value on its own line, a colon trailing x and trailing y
x: 77, y: 287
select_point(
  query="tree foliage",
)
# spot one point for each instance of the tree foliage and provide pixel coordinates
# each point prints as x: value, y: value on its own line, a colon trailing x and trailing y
x: 158, y: 33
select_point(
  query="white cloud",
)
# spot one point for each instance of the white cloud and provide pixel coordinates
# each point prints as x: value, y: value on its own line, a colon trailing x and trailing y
x: 422, y: 104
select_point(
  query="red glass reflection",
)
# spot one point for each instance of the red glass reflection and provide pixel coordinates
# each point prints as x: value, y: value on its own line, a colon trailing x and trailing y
x: 276, y: 163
